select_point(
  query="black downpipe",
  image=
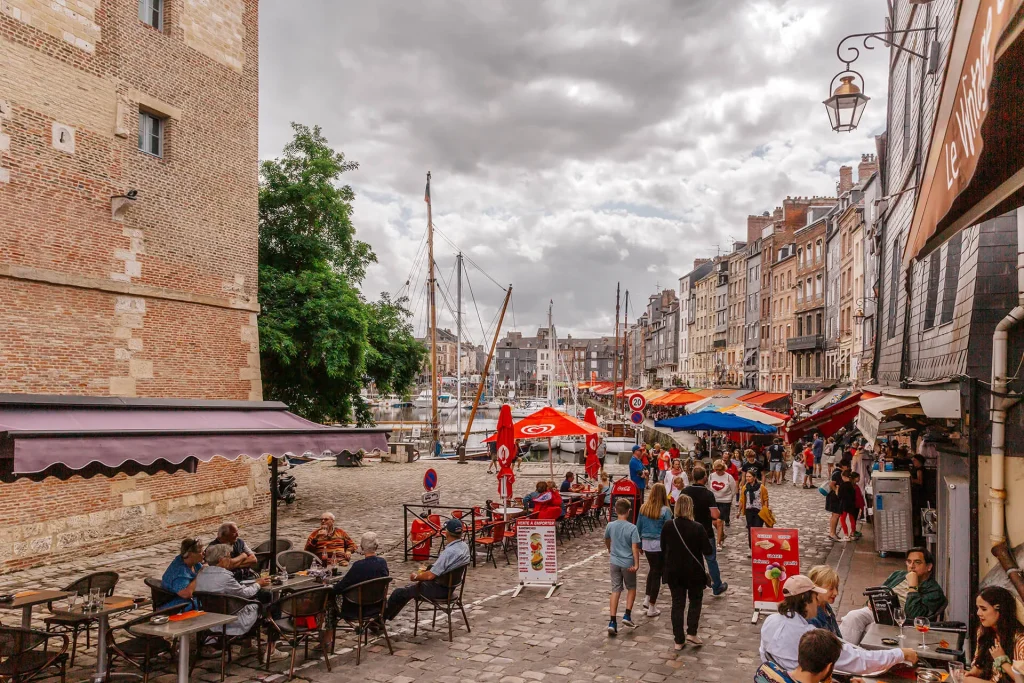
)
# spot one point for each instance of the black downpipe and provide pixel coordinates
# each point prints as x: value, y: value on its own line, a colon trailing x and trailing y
x: 273, y: 516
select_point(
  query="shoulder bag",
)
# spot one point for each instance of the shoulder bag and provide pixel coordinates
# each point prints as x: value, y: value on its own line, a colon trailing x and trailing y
x: 765, y: 513
x: 707, y: 577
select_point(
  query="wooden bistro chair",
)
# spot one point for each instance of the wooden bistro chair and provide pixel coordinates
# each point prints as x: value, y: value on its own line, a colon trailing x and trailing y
x: 369, y: 597
x: 73, y: 623
x: 303, y: 616
x: 455, y: 581
x: 26, y: 654
x: 493, y: 536
x: 137, y: 649
x: 294, y: 561
x: 218, y: 603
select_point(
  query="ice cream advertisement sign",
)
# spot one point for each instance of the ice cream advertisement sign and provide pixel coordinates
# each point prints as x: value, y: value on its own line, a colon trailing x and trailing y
x: 775, y: 557
x: 538, y: 563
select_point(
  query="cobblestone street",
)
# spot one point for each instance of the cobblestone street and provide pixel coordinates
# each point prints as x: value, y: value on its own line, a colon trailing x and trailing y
x: 523, y: 639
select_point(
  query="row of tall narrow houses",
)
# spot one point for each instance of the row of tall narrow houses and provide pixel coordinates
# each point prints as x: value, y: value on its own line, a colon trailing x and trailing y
x: 128, y: 250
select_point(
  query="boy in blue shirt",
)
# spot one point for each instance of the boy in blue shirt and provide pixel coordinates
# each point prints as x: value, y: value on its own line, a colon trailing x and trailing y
x: 623, y: 542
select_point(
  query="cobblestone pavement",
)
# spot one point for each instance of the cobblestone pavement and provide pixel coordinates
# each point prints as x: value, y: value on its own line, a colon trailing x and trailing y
x: 527, y: 638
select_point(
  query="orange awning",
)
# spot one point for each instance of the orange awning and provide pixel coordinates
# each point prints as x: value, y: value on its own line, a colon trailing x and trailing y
x: 678, y: 397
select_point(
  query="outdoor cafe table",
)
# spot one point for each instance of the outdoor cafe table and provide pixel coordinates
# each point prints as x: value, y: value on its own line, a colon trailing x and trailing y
x: 873, y: 641
x: 508, y: 512
x: 181, y: 630
x: 27, y: 599
x: 111, y: 605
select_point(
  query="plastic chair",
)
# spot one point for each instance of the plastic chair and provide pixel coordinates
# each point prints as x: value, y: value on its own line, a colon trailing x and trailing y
x: 294, y: 561
x: 297, y: 611
x: 370, y: 597
x: 73, y: 623
x: 139, y: 649
x: 598, y: 509
x: 496, y: 538
x: 584, y: 516
x: 455, y: 582
x: 161, y: 596
x: 26, y: 654
x: 229, y: 604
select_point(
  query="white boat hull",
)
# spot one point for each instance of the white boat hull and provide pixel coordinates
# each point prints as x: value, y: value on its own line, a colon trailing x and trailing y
x: 619, y: 444
x: 572, y: 446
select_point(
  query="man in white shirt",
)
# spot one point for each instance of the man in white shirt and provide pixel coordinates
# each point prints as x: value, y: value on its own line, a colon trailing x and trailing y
x: 216, y: 577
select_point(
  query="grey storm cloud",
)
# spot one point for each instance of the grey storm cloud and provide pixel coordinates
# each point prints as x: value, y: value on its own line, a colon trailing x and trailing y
x: 573, y: 145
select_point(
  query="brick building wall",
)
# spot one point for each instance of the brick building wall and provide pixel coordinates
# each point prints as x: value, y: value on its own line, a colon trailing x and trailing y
x: 104, y: 296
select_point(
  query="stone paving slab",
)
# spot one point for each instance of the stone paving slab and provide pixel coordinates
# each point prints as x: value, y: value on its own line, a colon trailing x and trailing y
x: 526, y: 638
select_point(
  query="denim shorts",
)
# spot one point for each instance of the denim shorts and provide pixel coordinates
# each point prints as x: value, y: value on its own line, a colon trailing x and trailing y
x: 621, y: 576
x: 776, y: 466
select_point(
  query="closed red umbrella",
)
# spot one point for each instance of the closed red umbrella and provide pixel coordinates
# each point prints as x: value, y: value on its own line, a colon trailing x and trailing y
x: 592, y: 465
x: 506, y: 449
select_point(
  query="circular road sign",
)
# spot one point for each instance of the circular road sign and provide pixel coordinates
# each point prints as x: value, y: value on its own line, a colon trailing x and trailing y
x: 430, y: 479
x: 637, y: 418
x: 637, y: 402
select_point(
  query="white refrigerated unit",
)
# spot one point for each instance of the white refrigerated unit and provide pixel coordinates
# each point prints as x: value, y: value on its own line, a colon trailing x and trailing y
x: 893, y: 518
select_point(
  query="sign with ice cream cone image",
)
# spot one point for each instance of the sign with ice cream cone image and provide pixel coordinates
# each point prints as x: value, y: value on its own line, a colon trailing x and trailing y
x: 775, y: 557
x: 538, y: 562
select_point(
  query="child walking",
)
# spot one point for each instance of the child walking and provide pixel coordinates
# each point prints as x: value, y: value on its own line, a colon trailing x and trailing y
x: 808, y: 468
x: 623, y: 542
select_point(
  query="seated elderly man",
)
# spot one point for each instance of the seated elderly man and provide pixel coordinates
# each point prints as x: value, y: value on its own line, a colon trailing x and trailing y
x: 370, y: 567
x: 242, y: 559
x: 217, y: 577
x: 454, y: 555
x: 180, y: 575
x: 329, y: 540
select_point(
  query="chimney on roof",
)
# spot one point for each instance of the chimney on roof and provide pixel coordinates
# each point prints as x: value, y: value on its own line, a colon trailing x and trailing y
x: 868, y: 165
x: 755, y: 224
x: 845, y: 179
x: 777, y: 214
x: 698, y: 262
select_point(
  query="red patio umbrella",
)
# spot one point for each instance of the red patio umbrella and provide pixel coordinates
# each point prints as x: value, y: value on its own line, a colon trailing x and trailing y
x: 546, y: 423
x: 506, y: 449
x: 592, y: 465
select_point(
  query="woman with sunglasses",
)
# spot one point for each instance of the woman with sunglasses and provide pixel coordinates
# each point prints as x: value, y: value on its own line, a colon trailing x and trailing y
x: 180, y: 576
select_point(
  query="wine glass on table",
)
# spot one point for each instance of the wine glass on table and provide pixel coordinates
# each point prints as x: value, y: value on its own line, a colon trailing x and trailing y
x: 900, y: 617
x: 922, y: 625
x: 957, y: 672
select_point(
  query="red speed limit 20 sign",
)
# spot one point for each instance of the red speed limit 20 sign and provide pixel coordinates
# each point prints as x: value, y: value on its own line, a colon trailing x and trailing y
x: 637, y: 402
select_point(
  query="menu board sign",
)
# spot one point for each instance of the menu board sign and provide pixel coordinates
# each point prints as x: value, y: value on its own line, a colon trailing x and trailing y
x: 538, y: 563
x: 775, y: 556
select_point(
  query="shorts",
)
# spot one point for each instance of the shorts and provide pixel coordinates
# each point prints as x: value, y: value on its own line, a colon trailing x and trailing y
x: 724, y: 509
x: 776, y: 466
x: 621, y: 576
x: 830, y: 459
x: 817, y: 460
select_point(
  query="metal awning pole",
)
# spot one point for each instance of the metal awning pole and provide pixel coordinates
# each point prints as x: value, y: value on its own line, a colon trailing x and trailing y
x: 273, y: 516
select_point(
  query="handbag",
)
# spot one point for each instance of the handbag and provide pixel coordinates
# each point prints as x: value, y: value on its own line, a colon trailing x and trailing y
x: 707, y: 577
x: 767, y: 516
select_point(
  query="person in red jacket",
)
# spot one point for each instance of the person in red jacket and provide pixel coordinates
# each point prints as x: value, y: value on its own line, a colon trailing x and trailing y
x: 808, y: 467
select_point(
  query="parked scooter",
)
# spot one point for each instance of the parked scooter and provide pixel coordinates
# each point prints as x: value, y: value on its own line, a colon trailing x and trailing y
x: 286, y: 488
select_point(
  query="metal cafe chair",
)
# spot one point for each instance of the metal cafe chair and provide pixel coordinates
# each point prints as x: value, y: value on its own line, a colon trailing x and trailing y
x: 73, y: 623
x: 293, y: 561
x: 494, y: 536
x: 137, y: 649
x: 218, y: 603
x: 303, y: 616
x: 161, y: 596
x: 264, y: 552
x: 25, y: 654
x: 369, y: 597
x: 455, y: 581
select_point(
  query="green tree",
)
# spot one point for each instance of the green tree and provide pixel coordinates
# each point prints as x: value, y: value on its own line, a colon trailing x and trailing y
x: 319, y: 339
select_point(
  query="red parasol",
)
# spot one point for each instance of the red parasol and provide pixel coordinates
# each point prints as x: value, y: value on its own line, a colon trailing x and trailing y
x: 546, y: 423
x: 506, y: 448
x: 592, y: 465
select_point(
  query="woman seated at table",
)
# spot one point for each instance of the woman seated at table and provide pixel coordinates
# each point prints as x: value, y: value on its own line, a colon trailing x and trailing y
x: 826, y: 577
x: 781, y: 633
x: 530, y: 498
x: 1000, y: 638
x: 548, y: 501
x: 180, y: 576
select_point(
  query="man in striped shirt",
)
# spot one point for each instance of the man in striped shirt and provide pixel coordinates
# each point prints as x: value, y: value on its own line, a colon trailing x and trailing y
x: 329, y: 540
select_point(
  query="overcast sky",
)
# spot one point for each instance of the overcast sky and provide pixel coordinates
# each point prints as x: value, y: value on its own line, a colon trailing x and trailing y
x: 573, y: 144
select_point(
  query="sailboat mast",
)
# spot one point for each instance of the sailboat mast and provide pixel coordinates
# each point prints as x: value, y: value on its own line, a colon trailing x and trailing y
x: 551, y: 356
x: 625, y: 350
x: 487, y: 364
x: 435, y: 436
x: 615, y: 362
x: 458, y: 347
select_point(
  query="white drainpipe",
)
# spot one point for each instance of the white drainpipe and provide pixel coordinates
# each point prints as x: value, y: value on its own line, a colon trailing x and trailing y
x: 1000, y: 405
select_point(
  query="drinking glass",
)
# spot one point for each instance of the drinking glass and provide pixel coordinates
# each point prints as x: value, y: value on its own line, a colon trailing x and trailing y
x: 96, y: 598
x: 71, y: 598
x: 922, y: 625
x: 956, y: 671
x: 900, y: 617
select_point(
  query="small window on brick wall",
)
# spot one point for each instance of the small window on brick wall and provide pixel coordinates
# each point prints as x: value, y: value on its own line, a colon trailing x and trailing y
x: 152, y: 12
x: 151, y: 134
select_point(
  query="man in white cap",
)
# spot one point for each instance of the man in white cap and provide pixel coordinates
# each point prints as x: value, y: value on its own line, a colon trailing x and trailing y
x: 781, y: 633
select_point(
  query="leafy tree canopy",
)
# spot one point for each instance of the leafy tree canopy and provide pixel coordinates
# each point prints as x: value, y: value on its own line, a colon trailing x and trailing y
x: 320, y: 341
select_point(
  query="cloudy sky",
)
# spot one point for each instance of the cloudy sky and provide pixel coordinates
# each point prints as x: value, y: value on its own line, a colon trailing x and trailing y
x: 573, y: 144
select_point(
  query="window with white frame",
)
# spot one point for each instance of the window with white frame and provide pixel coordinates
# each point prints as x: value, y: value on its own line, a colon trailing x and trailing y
x: 152, y: 12
x: 151, y: 134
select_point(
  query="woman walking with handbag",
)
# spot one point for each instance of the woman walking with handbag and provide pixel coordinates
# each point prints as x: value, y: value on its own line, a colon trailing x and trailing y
x: 654, y: 513
x: 684, y: 543
x: 753, y: 500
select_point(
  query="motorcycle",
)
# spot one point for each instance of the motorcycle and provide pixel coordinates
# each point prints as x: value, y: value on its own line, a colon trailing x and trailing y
x: 286, y: 488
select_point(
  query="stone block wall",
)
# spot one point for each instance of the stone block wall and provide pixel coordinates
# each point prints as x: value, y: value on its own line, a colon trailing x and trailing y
x: 104, y: 295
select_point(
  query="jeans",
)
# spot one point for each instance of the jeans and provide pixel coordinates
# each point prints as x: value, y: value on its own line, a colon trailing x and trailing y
x: 753, y: 520
x: 716, y: 573
x: 692, y: 620
x: 657, y: 563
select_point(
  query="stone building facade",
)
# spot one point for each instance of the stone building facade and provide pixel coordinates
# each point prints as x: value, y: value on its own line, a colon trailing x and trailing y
x: 128, y: 247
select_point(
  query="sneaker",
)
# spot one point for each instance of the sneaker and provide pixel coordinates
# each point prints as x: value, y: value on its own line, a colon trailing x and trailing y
x: 653, y: 611
x: 718, y: 592
x: 612, y: 628
x: 694, y: 640
x: 627, y: 620
x: 647, y: 602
